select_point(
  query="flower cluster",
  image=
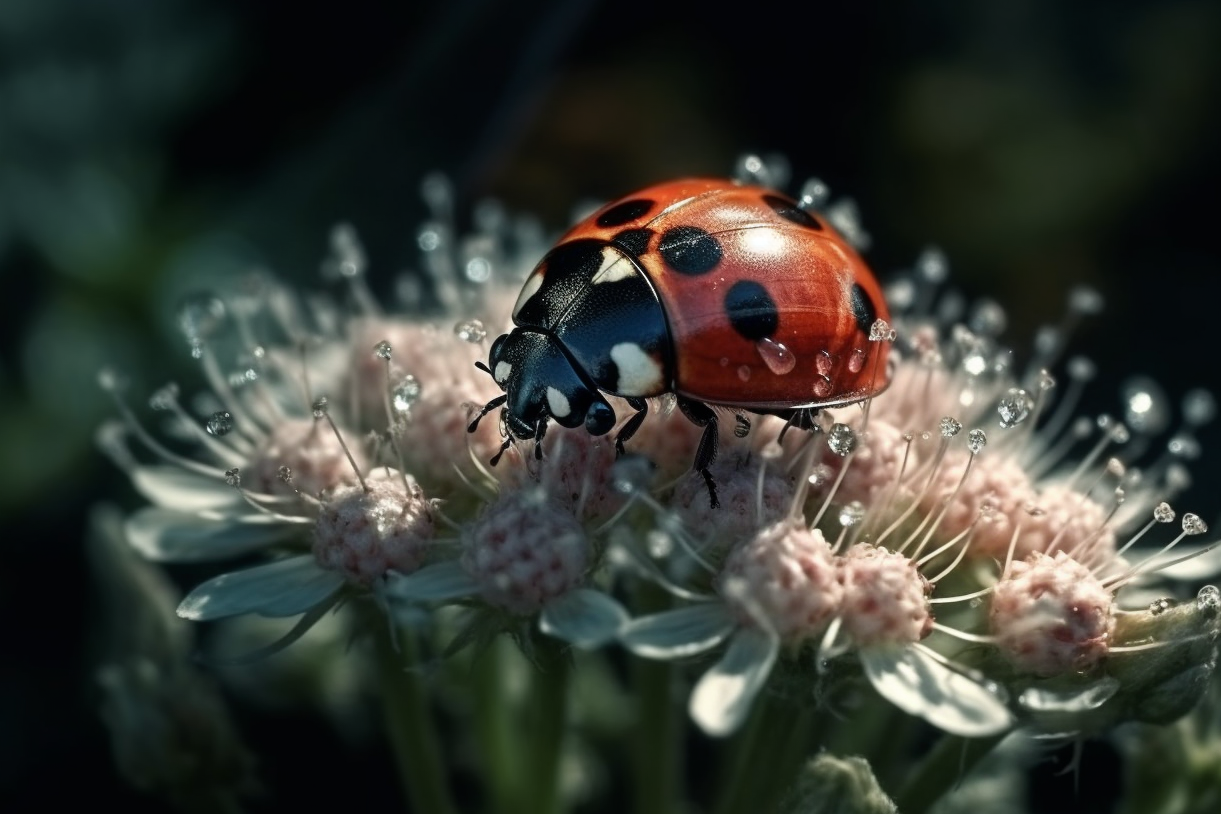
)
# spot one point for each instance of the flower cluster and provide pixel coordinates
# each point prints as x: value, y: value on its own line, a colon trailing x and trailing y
x: 958, y: 547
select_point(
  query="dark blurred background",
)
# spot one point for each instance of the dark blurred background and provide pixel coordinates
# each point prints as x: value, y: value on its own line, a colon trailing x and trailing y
x: 153, y: 147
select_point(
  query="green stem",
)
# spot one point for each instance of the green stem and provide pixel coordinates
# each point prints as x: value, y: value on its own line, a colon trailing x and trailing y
x: 547, y: 726
x: 655, y: 753
x: 494, y: 730
x: 941, y: 769
x: 410, y: 726
x: 765, y: 758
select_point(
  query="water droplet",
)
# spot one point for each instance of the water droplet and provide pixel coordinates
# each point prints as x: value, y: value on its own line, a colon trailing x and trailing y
x: 478, y: 270
x: 856, y: 360
x: 383, y: 351
x: 814, y: 194
x: 988, y: 318
x: 822, y: 387
x: 1199, y: 407
x: 976, y: 440
x: 974, y: 364
x: 820, y: 475
x: 219, y: 423
x: 1046, y: 381
x: 744, y: 372
x: 1084, y: 300
x: 1014, y: 407
x: 347, y: 255
x: 658, y: 543
x: 1209, y: 598
x: 823, y: 362
x: 429, y: 238
x: 406, y: 393
x: 470, y: 330
x: 779, y: 359
x: 285, y: 474
x: 320, y: 407
x: 1162, y: 513
x: 233, y: 477
x: 1184, y: 446
x: 880, y: 331
x: 1192, y: 524
x: 164, y: 398
x: 932, y: 265
x: 1146, y: 408
x: 199, y: 315
x: 1115, y: 467
x: 841, y: 439
x: 741, y: 426
x: 852, y: 513
x: 1159, y: 606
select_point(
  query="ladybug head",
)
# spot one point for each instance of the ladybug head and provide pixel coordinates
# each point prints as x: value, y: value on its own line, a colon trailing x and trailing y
x: 541, y: 381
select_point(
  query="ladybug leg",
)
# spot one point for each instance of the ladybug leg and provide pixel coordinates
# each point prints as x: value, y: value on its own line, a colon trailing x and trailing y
x: 629, y: 429
x: 508, y: 442
x: 487, y: 408
x: 701, y: 415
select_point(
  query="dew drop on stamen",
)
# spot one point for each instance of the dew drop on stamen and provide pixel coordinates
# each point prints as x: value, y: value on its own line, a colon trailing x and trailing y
x: 383, y: 351
x: 1159, y: 606
x: 852, y: 513
x: 470, y: 330
x: 659, y: 544
x: 814, y: 194
x: 163, y: 398
x: 320, y: 407
x: 976, y: 441
x: 880, y: 331
x: 284, y: 474
x: 778, y: 358
x: 1162, y: 513
x: 932, y: 265
x: 1046, y: 381
x: 987, y: 318
x: 1192, y: 524
x: 233, y: 477
x: 406, y: 393
x: 1146, y: 408
x: 820, y: 475
x: 1209, y: 598
x: 199, y: 315
x: 478, y: 270
x: 1183, y: 446
x: 1014, y: 407
x: 219, y: 423
x: 841, y: 439
x: 950, y: 427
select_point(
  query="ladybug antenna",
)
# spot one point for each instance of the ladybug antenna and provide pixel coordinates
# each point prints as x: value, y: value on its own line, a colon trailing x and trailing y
x: 484, y: 368
x: 487, y: 408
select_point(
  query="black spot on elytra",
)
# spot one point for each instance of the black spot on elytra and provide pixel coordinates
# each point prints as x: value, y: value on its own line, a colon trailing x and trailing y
x: 633, y: 241
x: 625, y: 212
x: 689, y: 250
x: 791, y: 212
x: 751, y: 310
x: 863, y: 309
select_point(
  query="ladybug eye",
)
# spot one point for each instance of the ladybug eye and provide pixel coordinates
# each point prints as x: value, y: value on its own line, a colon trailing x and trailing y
x: 599, y: 418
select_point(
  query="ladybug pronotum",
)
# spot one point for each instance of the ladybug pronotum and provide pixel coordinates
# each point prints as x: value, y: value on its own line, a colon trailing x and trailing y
x: 725, y: 295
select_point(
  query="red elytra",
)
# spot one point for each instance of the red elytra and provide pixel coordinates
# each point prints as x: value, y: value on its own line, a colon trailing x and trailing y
x: 724, y: 294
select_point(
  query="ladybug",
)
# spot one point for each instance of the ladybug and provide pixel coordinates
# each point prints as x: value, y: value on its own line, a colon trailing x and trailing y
x: 723, y: 294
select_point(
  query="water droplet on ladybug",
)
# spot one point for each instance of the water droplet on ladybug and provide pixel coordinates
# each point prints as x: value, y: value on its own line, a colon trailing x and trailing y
x: 856, y: 361
x: 779, y: 359
x: 822, y: 387
x: 744, y: 372
x: 823, y: 363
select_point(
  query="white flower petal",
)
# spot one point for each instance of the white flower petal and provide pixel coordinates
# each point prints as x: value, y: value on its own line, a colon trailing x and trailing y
x: 920, y: 685
x: 281, y: 588
x: 723, y: 697
x: 678, y: 633
x: 433, y: 583
x: 164, y: 535
x: 175, y: 488
x: 583, y: 617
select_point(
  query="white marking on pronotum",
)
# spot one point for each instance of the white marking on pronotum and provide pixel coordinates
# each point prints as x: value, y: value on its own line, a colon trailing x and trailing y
x: 533, y: 284
x: 557, y: 402
x: 639, y: 373
x: 615, y: 266
x: 503, y: 369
